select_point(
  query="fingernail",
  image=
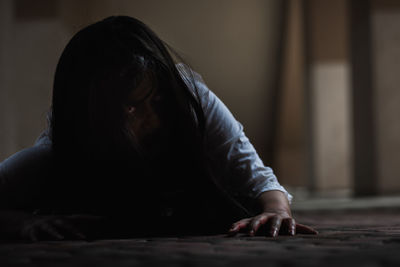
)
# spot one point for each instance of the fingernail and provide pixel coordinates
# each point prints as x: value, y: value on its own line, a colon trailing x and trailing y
x: 292, y: 231
x: 274, y: 233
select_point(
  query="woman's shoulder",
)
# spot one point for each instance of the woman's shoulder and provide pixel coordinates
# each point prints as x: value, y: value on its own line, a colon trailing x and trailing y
x: 27, y: 161
x: 194, y: 81
x: 192, y: 78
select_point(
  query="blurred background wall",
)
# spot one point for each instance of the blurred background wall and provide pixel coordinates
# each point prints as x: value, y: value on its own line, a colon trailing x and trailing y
x: 231, y: 43
x: 314, y: 82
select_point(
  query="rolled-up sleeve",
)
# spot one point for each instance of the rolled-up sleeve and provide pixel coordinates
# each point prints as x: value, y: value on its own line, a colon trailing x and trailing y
x: 235, y: 163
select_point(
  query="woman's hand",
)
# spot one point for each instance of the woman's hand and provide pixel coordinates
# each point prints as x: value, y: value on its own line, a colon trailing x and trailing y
x: 51, y: 227
x: 272, y: 223
x: 276, y: 218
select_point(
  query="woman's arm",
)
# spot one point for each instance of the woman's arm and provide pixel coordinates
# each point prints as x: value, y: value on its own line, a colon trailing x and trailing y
x: 21, y: 179
x: 237, y: 166
x: 241, y: 172
x: 24, y: 190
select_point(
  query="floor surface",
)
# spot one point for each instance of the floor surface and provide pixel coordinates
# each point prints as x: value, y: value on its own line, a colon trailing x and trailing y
x: 367, y: 237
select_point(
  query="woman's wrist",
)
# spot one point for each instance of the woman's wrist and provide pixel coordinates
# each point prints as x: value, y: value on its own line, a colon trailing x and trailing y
x: 274, y: 200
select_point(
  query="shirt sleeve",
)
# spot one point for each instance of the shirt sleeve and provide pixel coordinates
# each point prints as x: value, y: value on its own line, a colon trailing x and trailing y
x: 235, y: 163
x: 23, y: 176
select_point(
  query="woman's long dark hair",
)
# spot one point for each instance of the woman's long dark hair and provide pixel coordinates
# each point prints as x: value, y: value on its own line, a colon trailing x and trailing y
x: 97, y: 70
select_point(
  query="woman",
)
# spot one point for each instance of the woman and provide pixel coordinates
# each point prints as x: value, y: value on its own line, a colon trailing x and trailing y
x: 137, y: 145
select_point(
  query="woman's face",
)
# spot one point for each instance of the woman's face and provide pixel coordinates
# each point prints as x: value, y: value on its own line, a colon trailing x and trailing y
x: 144, y: 110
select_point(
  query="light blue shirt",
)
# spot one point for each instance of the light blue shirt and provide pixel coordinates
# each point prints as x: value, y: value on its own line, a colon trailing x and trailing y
x: 238, y: 168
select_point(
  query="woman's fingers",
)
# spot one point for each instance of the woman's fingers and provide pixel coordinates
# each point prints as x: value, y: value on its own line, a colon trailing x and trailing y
x: 52, y: 232
x: 303, y: 229
x: 68, y: 229
x: 256, y: 223
x: 42, y: 232
x: 52, y: 227
x: 237, y: 226
x: 274, y: 226
x: 32, y: 235
x: 288, y: 226
x: 271, y: 225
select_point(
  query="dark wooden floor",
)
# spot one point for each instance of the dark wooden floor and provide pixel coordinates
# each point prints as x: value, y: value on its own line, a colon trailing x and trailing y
x: 347, y: 238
